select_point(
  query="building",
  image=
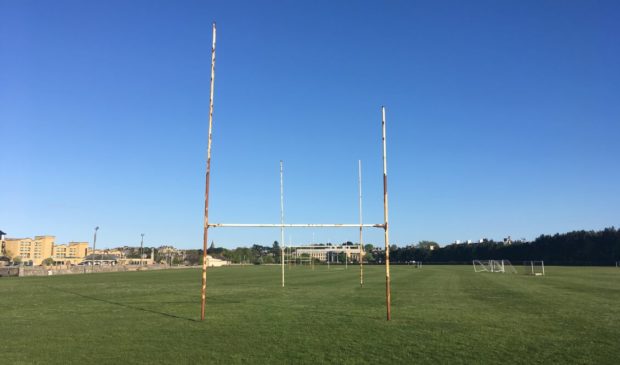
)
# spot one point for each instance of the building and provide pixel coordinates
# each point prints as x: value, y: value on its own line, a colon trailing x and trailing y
x: 107, y: 252
x: 169, y: 250
x: 138, y: 261
x: 2, y: 244
x: 134, y: 261
x: 170, y: 254
x: 213, y: 262
x: 322, y: 253
x: 71, y: 253
x: 30, y: 251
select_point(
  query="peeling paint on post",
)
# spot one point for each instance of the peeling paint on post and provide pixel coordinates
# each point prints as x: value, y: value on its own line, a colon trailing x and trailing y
x: 361, y: 258
x: 282, y: 220
x: 203, y: 293
x: 388, y: 291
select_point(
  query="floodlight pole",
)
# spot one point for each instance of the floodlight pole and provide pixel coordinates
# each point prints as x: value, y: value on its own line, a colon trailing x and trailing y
x: 359, y: 173
x: 388, y: 291
x: 94, y: 247
x: 282, y: 220
x: 141, y: 248
x: 203, y: 293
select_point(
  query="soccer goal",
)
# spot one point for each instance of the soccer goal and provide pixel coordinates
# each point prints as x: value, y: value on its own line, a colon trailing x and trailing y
x: 503, y: 266
x: 536, y: 268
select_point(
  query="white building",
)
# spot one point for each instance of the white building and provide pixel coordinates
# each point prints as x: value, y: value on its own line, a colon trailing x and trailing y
x: 322, y: 253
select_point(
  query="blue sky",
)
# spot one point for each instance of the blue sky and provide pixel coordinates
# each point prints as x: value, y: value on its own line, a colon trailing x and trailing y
x: 503, y: 118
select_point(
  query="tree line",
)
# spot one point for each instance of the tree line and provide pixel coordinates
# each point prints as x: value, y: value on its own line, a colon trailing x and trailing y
x: 571, y: 248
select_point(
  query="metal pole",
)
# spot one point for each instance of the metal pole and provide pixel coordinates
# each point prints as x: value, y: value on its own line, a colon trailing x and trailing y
x: 94, y: 247
x: 294, y: 225
x: 312, y: 256
x: 141, y: 249
x: 359, y: 178
x: 388, y: 291
x: 282, y: 220
x: 203, y: 293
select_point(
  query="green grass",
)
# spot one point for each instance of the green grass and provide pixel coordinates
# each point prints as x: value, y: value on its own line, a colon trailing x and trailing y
x: 440, y: 314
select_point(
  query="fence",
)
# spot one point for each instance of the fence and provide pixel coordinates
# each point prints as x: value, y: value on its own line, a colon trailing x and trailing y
x: 50, y: 271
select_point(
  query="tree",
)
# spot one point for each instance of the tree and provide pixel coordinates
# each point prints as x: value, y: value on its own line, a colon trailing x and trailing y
x: 48, y: 262
x: 571, y: 248
x: 342, y: 257
x: 276, y: 250
x: 193, y: 257
x: 428, y: 245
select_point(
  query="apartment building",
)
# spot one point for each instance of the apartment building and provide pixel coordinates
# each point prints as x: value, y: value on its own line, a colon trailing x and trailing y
x: 2, y: 244
x: 70, y: 253
x: 31, y: 250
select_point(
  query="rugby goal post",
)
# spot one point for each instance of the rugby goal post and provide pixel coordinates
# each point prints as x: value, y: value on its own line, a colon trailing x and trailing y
x: 207, y: 225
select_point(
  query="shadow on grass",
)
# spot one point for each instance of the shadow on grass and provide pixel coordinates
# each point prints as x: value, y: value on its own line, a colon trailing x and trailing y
x: 124, y: 305
x: 219, y: 300
x: 213, y: 301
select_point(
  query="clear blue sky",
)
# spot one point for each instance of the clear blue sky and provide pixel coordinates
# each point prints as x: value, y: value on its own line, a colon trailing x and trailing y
x: 503, y: 118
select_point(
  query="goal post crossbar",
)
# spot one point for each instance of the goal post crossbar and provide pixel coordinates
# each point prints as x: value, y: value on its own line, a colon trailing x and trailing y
x: 318, y: 246
x: 294, y: 225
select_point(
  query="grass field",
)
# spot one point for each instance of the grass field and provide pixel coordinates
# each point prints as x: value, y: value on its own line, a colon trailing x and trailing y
x: 440, y: 314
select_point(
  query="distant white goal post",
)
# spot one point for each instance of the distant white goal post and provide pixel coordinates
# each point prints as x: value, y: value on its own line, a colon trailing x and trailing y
x: 536, y: 268
x: 503, y: 266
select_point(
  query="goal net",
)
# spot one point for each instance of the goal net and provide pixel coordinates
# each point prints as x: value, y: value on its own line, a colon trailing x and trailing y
x: 536, y: 268
x: 503, y: 266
